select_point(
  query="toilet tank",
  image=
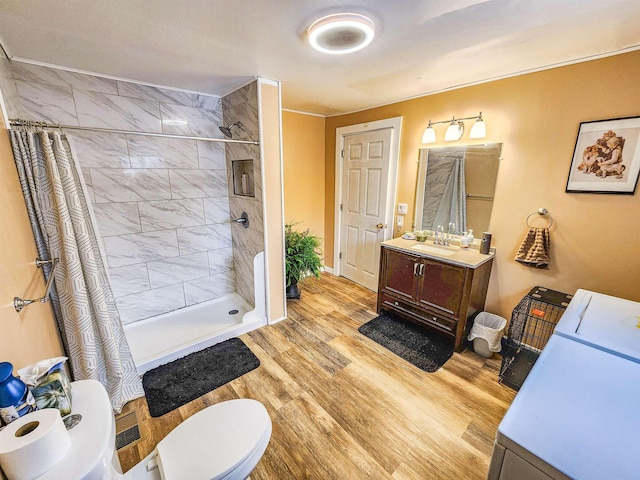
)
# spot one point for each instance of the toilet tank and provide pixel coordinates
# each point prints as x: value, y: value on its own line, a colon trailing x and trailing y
x: 92, y: 455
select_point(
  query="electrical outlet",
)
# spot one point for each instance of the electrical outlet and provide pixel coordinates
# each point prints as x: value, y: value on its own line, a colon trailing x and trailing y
x: 402, y: 209
x: 400, y: 221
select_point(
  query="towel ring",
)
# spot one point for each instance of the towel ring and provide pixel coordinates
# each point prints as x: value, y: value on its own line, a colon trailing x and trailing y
x: 542, y: 212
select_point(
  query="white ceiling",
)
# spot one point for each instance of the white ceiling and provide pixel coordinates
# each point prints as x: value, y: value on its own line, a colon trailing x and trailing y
x: 212, y: 46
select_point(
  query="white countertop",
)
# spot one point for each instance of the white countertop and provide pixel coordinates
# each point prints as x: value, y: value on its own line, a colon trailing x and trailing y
x: 465, y: 257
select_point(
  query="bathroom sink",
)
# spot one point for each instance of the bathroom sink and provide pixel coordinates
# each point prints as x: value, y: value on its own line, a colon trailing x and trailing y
x: 436, y: 249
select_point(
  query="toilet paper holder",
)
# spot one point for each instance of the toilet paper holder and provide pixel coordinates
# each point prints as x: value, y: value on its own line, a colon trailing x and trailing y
x: 20, y: 303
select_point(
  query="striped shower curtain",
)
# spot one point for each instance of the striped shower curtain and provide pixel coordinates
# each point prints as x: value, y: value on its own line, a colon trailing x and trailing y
x: 83, y: 302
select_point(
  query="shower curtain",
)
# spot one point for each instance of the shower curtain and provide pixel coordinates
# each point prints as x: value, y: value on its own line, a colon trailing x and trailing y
x: 453, y: 205
x: 84, y: 305
x: 446, y: 191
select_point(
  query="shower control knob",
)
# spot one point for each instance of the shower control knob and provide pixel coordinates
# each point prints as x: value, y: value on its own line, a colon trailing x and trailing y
x: 243, y: 220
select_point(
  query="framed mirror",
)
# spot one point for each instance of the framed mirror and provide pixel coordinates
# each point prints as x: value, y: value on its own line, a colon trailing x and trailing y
x: 456, y: 184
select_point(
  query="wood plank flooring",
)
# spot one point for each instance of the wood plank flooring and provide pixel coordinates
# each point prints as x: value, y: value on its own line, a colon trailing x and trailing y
x: 343, y: 407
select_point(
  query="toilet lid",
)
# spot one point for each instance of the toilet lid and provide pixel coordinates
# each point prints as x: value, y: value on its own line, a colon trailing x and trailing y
x: 214, y: 441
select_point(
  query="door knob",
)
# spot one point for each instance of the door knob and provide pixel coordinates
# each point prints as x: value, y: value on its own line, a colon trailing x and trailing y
x: 380, y: 226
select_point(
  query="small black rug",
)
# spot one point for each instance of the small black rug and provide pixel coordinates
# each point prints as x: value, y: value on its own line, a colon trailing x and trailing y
x: 170, y: 386
x: 419, y: 346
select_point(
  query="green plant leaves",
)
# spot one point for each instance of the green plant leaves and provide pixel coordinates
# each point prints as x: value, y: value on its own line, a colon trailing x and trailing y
x: 302, y: 254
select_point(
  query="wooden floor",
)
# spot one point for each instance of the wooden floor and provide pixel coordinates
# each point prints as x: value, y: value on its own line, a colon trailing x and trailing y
x: 343, y: 407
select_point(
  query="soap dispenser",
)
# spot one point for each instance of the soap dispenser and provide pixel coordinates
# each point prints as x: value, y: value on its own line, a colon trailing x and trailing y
x: 464, y: 241
x: 470, y: 238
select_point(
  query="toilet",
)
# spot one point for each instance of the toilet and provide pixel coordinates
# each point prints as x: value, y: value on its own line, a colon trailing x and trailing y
x: 223, y: 442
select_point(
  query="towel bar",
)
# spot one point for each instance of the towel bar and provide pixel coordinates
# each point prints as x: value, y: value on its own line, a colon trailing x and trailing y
x: 20, y: 303
x: 543, y: 212
x: 478, y: 197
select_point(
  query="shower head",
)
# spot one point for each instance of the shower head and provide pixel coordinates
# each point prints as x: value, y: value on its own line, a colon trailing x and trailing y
x: 227, y: 130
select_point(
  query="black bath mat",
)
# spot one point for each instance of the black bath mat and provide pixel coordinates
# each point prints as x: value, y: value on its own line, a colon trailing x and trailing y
x: 170, y: 386
x: 419, y: 346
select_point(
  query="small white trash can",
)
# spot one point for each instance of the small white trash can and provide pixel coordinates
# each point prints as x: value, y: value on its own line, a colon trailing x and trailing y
x: 486, y: 333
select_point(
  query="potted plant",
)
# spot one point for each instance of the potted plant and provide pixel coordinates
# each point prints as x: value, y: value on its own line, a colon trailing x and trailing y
x: 302, y: 258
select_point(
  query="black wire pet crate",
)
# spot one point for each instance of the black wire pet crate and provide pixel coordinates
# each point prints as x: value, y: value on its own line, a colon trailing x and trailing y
x: 532, y: 323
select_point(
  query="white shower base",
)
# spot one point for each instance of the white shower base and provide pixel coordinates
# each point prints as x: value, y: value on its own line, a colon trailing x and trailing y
x: 167, y: 337
x: 164, y: 338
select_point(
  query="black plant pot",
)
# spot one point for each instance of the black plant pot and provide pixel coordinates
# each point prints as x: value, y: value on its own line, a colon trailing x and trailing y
x: 293, y: 291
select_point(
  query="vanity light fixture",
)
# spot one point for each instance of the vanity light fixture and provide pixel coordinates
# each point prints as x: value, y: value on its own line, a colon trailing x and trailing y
x: 341, y: 33
x: 455, y: 129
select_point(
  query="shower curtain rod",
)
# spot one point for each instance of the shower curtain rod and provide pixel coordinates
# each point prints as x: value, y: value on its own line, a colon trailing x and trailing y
x: 15, y: 122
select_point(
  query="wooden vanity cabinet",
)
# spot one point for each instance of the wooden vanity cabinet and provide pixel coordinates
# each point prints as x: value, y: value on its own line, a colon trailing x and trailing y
x: 431, y: 292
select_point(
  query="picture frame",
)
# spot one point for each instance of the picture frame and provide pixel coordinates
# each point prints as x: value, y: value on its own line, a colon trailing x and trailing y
x: 606, y: 157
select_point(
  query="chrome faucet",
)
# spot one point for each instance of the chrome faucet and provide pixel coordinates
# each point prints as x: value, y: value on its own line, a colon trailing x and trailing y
x: 450, y: 229
x: 439, y: 240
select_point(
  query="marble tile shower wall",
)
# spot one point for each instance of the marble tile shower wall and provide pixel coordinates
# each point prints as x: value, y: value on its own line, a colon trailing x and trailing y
x: 161, y: 204
x: 8, y: 87
x: 242, y: 105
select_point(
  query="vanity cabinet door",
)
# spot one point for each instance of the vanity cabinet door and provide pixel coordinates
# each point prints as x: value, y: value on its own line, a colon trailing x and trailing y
x: 399, y: 274
x: 442, y: 286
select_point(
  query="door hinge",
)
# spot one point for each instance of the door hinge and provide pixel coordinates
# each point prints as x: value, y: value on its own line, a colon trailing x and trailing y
x: 340, y: 255
x: 340, y: 207
x: 342, y: 153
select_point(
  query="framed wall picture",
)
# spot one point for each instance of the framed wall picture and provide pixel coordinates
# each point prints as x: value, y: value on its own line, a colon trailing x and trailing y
x: 606, y: 158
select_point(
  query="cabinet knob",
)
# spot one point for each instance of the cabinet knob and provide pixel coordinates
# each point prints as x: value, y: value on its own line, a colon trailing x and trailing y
x: 396, y: 303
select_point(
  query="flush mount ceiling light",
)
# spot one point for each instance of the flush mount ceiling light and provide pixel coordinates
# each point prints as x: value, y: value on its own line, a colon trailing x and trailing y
x: 341, y: 33
x: 455, y: 129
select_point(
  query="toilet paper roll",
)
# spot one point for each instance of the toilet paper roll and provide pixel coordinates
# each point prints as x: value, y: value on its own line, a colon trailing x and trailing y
x: 33, y: 444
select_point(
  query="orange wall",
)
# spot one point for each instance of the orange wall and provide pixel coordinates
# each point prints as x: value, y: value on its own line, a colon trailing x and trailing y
x: 304, y: 175
x: 30, y: 335
x: 594, y: 239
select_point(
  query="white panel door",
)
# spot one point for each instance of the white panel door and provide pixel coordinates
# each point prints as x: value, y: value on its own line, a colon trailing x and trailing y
x: 365, y: 178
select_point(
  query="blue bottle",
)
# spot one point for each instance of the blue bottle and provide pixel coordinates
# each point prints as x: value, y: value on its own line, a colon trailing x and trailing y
x: 15, y: 398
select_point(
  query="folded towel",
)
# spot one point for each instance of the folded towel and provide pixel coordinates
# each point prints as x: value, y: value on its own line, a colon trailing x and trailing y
x: 534, y: 251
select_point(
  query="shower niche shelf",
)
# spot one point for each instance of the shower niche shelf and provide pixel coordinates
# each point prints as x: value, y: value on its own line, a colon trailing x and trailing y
x: 243, y: 178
